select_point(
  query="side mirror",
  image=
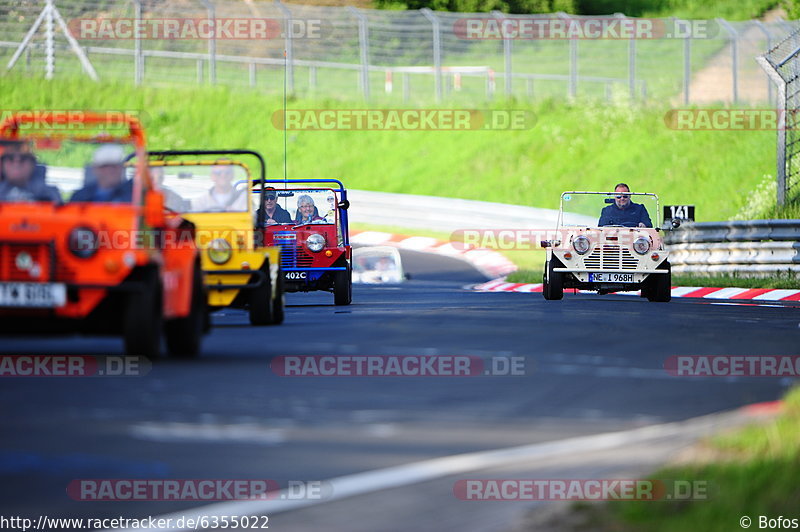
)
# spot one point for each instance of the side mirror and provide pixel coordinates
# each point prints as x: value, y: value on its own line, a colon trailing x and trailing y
x: 344, y: 204
x: 154, y: 208
x: 675, y: 222
x: 546, y: 243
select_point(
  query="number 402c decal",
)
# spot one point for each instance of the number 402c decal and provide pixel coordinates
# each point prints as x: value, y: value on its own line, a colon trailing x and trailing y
x: 295, y: 275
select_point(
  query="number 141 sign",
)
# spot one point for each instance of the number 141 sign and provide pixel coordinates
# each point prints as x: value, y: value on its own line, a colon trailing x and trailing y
x: 684, y: 212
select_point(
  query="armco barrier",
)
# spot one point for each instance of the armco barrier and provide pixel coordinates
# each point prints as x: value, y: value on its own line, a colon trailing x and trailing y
x: 758, y: 247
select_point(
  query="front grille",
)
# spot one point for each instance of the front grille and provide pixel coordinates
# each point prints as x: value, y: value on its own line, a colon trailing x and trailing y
x: 611, y: 257
x: 293, y: 254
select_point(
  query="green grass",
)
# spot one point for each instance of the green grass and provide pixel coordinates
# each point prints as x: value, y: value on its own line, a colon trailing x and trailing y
x: 581, y: 145
x: 692, y: 9
x: 751, y: 471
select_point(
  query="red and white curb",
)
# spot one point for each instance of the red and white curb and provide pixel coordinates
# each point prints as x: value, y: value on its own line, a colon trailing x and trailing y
x: 755, y: 294
x: 490, y: 262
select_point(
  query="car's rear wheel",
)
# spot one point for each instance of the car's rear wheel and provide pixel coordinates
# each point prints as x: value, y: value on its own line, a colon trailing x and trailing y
x: 343, y: 286
x: 661, y: 285
x: 260, y: 301
x: 553, y: 287
x: 184, y: 335
x: 143, y: 317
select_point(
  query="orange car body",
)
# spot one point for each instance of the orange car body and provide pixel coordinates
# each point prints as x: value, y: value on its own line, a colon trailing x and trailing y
x: 35, y: 249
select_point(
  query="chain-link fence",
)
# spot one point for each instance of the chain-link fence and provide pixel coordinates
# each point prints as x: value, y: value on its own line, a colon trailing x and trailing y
x: 782, y: 64
x: 391, y: 56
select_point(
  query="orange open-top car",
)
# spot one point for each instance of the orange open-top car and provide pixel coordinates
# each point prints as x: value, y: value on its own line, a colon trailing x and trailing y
x: 95, y: 262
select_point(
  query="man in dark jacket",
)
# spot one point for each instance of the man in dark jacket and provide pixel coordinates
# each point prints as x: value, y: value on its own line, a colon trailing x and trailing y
x: 275, y: 214
x: 624, y: 212
x: 20, y: 181
x: 108, y: 166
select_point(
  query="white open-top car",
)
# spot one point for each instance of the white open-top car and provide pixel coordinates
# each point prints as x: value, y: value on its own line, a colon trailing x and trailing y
x: 607, y: 242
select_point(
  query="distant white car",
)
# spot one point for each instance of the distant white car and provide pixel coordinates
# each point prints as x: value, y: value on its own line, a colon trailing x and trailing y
x: 618, y: 253
x: 377, y: 264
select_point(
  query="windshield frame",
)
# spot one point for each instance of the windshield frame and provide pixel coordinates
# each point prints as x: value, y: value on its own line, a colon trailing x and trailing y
x: 560, y: 222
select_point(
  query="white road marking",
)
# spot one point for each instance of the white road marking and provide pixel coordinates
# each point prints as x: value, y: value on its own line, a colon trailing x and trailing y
x: 208, y: 432
x: 393, y: 477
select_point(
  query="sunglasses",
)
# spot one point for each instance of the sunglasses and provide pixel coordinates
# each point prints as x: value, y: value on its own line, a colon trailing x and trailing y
x: 271, y: 198
x: 623, y: 197
x: 18, y: 158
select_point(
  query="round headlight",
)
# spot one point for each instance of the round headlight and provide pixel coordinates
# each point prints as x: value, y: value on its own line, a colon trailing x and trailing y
x: 315, y: 242
x: 219, y: 251
x: 641, y: 245
x: 580, y: 244
x: 82, y: 242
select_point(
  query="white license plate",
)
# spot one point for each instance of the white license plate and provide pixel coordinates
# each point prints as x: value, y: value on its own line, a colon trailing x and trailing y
x: 41, y: 295
x: 611, y: 278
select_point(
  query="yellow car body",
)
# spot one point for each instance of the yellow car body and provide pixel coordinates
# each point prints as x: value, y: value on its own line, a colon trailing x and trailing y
x: 236, y: 269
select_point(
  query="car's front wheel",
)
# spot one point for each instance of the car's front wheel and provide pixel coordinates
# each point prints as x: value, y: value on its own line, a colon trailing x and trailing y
x: 184, y: 335
x: 260, y: 301
x: 143, y: 322
x: 660, y: 289
x: 553, y: 287
x: 343, y: 287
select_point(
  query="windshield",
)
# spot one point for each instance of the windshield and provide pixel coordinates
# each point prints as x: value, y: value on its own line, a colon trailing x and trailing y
x: 193, y: 188
x: 300, y: 206
x: 608, y: 209
x: 64, y: 171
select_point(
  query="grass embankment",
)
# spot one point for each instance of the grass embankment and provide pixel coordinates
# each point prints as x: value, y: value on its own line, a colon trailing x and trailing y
x: 572, y: 146
x: 750, y: 472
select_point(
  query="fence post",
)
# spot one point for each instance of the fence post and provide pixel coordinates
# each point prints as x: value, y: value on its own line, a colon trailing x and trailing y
x: 199, y: 71
x: 766, y: 33
x: 631, y: 61
x: 312, y: 79
x: 437, y: 50
x: 363, y: 43
x: 50, y: 59
x: 287, y: 15
x: 137, y: 46
x: 734, y: 57
x: 573, y: 59
x: 687, y: 66
x: 780, y: 166
x: 506, y: 55
x: 212, y: 42
x: 406, y: 88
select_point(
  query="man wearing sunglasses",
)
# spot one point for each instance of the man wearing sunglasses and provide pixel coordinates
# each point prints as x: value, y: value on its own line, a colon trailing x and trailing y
x: 18, y: 181
x: 623, y: 211
x: 275, y: 214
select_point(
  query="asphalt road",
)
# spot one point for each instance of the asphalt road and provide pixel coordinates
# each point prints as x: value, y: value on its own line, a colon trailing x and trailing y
x: 592, y: 364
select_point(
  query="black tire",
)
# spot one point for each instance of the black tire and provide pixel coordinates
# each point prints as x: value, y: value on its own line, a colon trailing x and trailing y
x: 553, y: 289
x: 143, y: 317
x: 661, y: 287
x: 279, y: 301
x: 184, y: 335
x: 343, y: 287
x: 260, y: 300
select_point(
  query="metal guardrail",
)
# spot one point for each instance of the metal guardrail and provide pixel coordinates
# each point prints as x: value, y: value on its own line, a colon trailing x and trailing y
x: 749, y: 247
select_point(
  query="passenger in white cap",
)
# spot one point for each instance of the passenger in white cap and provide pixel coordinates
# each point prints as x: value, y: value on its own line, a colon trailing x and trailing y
x: 110, y: 185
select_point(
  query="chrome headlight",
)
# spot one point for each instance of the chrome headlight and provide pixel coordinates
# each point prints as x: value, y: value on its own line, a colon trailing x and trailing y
x: 641, y: 245
x: 83, y: 242
x: 580, y: 244
x: 219, y: 251
x: 315, y: 242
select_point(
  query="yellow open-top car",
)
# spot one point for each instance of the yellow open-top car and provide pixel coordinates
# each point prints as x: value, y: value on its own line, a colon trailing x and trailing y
x: 212, y: 189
